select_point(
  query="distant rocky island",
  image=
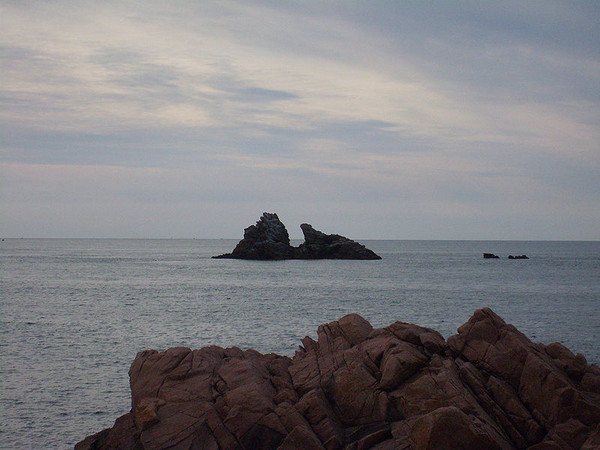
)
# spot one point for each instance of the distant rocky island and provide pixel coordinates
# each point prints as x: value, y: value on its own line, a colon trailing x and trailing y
x: 492, y: 256
x: 269, y: 240
x: 356, y: 387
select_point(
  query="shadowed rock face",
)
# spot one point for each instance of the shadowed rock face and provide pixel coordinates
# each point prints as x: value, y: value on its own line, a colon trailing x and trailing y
x: 355, y: 387
x: 318, y: 245
x: 269, y: 240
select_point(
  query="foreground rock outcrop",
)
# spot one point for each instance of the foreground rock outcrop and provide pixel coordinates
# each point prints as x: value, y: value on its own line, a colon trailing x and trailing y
x: 269, y: 240
x: 355, y: 387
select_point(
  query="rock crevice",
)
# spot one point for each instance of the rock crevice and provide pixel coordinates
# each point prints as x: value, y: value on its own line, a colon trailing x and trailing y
x: 355, y: 387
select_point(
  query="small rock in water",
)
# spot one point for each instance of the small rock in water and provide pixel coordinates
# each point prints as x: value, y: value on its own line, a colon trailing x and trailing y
x: 490, y: 256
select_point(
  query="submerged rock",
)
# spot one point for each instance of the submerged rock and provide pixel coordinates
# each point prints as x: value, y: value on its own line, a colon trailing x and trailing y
x: 269, y: 240
x: 402, y: 386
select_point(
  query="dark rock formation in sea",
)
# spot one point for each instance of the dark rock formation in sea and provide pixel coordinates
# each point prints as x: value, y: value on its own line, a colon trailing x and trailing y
x: 355, y: 387
x: 269, y: 240
x: 318, y: 245
x: 490, y: 256
x: 518, y: 257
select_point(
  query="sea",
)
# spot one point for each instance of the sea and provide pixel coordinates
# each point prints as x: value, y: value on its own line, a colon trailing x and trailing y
x: 75, y: 312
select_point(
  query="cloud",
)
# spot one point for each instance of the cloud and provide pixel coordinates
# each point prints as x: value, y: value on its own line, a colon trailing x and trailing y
x: 465, y: 109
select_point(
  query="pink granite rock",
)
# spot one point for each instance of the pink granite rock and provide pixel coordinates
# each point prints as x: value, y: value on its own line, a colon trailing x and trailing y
x: 355, y: 387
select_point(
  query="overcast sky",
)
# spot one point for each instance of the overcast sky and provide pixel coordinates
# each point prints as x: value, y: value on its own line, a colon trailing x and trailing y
x: 372, y: 119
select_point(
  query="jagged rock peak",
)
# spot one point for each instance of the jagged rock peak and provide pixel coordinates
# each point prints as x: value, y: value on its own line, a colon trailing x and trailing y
x: 268, y: 239
x: 268, y: 228
x: 312, y: 236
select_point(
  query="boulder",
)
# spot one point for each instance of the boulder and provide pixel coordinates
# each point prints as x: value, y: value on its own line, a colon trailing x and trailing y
x: 269, y: 240
x: 356, y: 387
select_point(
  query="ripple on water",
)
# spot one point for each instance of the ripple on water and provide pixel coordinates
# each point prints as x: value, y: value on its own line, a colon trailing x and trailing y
x: 75, y: 313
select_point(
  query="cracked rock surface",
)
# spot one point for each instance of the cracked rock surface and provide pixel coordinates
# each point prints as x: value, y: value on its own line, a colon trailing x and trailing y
x: 355, y: 387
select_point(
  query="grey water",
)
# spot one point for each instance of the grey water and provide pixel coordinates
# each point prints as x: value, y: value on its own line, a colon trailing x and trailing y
x: 74, y: 313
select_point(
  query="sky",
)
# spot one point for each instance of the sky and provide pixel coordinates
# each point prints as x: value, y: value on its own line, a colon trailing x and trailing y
x: 375, y: 120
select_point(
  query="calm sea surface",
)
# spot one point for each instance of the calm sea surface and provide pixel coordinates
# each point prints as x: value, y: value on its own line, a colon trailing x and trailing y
x: 74, y: 313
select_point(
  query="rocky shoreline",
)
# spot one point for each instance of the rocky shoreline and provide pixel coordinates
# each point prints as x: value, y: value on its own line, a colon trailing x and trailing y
x: 269, y: 240
x: 356, y: 387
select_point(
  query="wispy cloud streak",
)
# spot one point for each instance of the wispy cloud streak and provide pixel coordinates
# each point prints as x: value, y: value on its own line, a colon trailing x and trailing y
x: 468, y: 109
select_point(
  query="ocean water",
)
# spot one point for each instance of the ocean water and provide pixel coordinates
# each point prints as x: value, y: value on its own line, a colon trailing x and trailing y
x: 74, y: 313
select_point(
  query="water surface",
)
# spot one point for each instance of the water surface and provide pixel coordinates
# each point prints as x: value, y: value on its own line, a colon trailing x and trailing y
x: 74, y: 313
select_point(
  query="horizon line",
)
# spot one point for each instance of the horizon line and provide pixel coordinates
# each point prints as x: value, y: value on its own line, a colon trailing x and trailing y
x: 291, y: 239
